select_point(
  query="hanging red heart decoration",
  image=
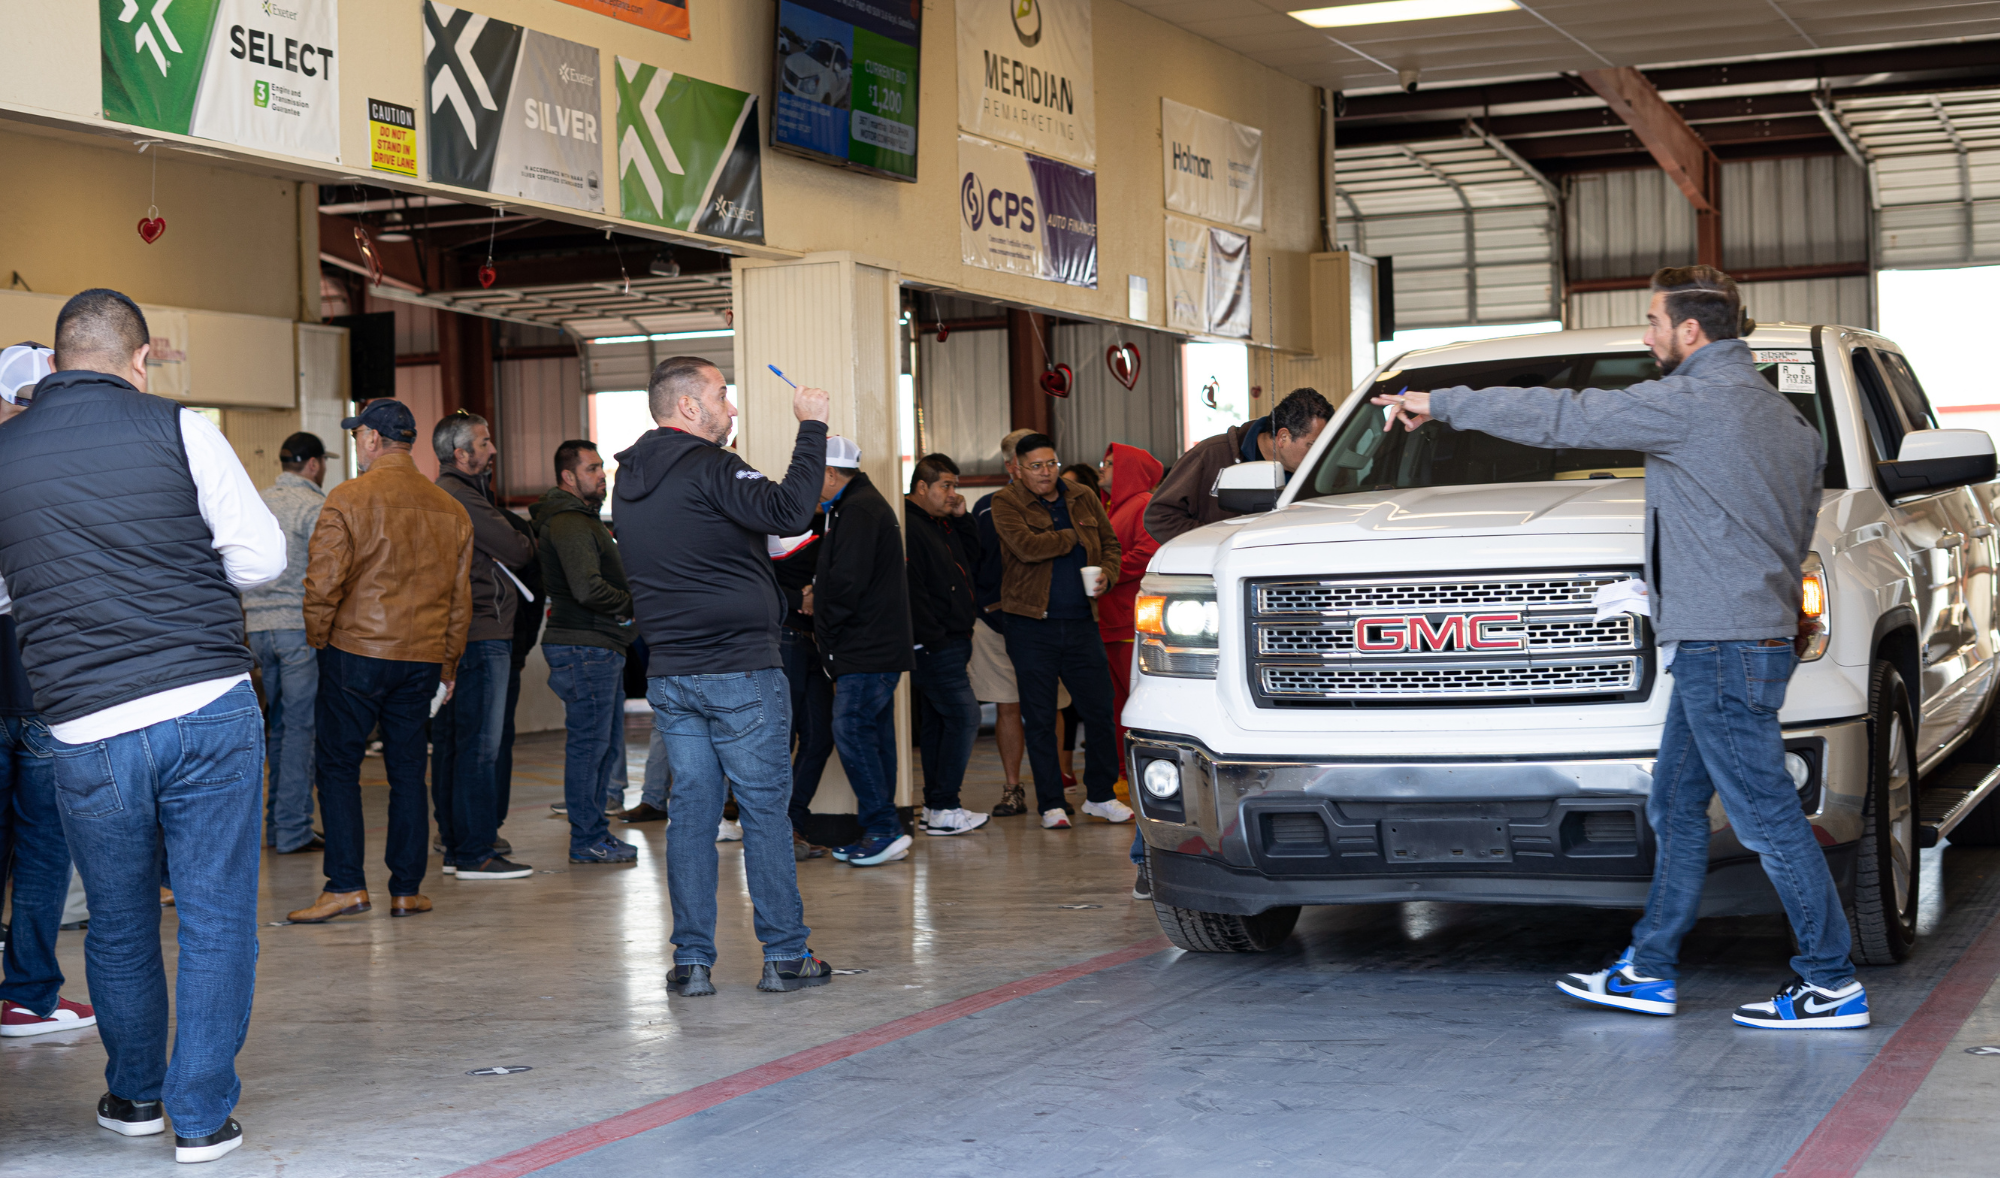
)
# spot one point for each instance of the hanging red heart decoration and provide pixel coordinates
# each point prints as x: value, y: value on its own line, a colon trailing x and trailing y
x: 1056, y: 381
x: 487, y: 274
x: 150, y: 228
x: 942, y: 331
x: 1123, y: 360
x: 728, y: 317
x: 365, y: 244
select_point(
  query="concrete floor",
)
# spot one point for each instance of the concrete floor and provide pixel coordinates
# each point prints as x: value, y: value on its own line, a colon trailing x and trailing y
x: 1417, y: 1039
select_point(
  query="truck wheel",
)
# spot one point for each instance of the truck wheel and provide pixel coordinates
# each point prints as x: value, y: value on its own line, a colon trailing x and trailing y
x: 1219, y: 932
x: 1884, y: 918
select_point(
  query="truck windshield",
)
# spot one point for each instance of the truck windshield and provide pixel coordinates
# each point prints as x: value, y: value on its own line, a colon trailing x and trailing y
x: 1365, y: 458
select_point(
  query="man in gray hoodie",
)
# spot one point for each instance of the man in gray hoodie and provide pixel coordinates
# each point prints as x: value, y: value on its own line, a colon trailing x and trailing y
x: 1733, y: 480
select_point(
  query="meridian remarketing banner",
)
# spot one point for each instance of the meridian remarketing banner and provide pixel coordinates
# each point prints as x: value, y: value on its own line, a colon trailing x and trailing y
x: 256, y: 73
x: 846, y: 75
x: 512, y: 111
x: 688, y: 153
x: 1025, y: 75
x: 1024, y: 214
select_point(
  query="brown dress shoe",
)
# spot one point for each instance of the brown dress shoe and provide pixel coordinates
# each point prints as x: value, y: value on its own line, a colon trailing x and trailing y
x: 408, y: 905
x: 330, y: 905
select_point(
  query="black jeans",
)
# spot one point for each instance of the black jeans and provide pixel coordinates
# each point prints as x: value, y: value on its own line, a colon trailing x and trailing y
x: 812, y: 719
x: 503, y: 761
x: 1044, y: 650
x: 355, y: 693
x: 949, y: 719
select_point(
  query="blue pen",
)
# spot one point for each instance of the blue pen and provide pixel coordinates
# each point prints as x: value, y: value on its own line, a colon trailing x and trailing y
x: 781, y: 376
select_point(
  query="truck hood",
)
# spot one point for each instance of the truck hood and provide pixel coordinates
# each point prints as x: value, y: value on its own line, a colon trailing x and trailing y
x: 1581, y: 506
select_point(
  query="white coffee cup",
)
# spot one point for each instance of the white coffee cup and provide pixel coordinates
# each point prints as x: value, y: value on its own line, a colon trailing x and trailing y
x: 1093, y: 580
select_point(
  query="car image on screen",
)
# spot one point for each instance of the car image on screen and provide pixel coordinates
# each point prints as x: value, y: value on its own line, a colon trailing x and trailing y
x: 821, y: 72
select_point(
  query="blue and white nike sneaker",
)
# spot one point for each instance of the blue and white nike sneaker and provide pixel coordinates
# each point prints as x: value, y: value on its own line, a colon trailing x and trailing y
x: 1621, y: 986
x: 1803, y: 1006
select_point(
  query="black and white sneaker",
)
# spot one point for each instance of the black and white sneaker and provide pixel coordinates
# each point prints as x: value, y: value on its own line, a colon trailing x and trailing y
x: 1142, y: 888
x: 690, y: 981
x: 1803, y: 1006
x: 497, y: 867
x: 130, y: 1118
x: 781, y: 977
x: 211, y: 1147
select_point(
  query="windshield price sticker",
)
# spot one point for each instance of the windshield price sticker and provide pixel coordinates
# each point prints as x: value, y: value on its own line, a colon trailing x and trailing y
x: 1782, y: 356
x: 1797, y: 378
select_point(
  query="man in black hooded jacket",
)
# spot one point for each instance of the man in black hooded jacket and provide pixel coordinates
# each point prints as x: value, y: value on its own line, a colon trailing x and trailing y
x: 693, y: 519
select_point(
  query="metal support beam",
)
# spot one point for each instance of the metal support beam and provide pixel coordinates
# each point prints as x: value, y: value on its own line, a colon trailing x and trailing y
x: 1683, y: 155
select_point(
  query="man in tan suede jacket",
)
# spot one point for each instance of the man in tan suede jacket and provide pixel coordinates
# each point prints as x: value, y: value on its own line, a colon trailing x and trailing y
x: 1058, y: 554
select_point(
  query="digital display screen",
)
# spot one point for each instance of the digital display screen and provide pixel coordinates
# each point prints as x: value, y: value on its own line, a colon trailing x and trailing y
x: 846, y: 79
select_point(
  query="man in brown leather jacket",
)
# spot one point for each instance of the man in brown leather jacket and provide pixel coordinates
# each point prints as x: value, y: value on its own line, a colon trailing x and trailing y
x: 388, y: 602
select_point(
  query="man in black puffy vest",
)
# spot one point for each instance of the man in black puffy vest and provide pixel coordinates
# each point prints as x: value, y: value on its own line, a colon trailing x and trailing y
x: 131, y: 529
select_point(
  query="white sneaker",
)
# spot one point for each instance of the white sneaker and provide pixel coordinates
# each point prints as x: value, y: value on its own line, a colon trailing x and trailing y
x: 1053, y: 818
x: 958, y: 821
x: 1113, y: 811
x: 729, y: 832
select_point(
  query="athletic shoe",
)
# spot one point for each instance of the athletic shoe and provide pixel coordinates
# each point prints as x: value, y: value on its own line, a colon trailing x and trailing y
x: 1113, y: 811
x: 803, y: 850
x: 797, y: 973
x: 1803, y: 1006
x: 1621, y: 986
x: 1142, y: 888
x: 438, y: 847
x: 211, y: 1147
x: 644, y: 812
x: 876, y: 849
x: 559, y: 808
x: 502, y: 847
x: 729, y: 832
x: 690, y: 981
x: 497, y: 868
x: 954, y: 821
x: 18, y: 1022
x: 1069, y: 781
x: 130, y: 1118
x: 1053, y: 818
x: 1013, y: 800
x: 451, y: 869
x: 607, y: 850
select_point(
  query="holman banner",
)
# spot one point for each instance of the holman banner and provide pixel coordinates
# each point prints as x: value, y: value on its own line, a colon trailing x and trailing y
x: 512, y: 111
x: 1214, y: 168
x: 688, y: 153
x: 256, y: 73
x: 661, y: 16
x: 1208, y: 280
x: 1024, y: 214
x: 1025, y: 75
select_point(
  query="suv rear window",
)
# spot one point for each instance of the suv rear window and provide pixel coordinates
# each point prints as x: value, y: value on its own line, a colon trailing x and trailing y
x: 1365, y: 458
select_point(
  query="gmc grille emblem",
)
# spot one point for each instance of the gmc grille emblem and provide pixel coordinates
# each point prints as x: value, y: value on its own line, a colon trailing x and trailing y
x: 1405, y: 633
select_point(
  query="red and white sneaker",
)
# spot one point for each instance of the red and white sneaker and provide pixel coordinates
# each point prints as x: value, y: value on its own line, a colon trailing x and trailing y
x: 18, y: 1021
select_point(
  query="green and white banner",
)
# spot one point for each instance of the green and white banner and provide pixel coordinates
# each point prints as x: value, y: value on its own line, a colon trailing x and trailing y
x: 256, y: 73
x: 689, y: 154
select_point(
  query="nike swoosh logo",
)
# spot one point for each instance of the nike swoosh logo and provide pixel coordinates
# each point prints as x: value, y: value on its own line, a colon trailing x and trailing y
x: 1813, y: 1007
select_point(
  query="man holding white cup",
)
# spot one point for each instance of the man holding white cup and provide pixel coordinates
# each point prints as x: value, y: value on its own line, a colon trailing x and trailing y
x: 1058, y: 554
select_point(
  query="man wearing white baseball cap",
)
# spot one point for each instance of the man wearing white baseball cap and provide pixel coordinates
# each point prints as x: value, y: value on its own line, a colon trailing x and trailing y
x: 22, y: 366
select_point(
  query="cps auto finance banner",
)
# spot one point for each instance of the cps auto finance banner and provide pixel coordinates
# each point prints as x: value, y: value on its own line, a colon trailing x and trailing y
x: 1023, y: 214
x: 256, y: 73
x: 512, y: 111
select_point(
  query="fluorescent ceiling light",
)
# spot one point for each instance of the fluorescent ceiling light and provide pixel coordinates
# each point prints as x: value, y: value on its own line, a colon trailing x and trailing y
x: 1389, y: 11
x: 640, y: 339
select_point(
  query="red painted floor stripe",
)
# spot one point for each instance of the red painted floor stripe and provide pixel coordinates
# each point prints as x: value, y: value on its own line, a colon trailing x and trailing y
x: 1846, y: 1136
x: 665, y: 1112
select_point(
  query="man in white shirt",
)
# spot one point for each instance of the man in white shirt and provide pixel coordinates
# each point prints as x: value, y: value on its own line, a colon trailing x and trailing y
x: 131, y: 531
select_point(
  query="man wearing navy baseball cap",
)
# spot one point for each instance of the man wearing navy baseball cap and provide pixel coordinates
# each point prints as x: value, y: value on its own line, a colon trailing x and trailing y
x: 388, y: 601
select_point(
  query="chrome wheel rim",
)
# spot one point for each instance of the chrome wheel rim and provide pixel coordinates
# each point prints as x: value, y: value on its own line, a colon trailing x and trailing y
x: 1902, y: 815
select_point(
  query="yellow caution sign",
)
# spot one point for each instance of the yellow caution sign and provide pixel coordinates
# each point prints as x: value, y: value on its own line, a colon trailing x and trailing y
x: 392, y: 138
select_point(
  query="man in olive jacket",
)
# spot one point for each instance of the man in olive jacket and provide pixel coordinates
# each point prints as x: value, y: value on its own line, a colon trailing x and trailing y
x: 1050, y: 530
x: 590, y: 625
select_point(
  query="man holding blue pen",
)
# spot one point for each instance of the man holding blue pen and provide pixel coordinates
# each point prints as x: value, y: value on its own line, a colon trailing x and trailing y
x: 692, y: 518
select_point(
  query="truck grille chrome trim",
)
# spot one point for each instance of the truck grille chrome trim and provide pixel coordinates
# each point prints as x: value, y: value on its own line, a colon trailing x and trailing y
x: 1328, y: 639
x: 1496, y: 679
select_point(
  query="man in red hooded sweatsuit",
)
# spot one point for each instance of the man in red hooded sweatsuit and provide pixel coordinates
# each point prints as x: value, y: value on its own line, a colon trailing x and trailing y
x: 1131, y: 474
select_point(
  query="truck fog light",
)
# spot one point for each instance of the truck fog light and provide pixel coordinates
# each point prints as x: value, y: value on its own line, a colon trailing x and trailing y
x: 1162, y: 778
x: 1797, y: 767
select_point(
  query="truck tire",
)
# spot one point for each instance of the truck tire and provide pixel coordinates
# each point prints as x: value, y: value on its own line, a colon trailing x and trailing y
x: 1220, y: 932
x: 1884, y: 917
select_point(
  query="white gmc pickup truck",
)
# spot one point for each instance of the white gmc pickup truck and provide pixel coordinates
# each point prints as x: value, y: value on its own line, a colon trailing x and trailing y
x: 1387, y: 682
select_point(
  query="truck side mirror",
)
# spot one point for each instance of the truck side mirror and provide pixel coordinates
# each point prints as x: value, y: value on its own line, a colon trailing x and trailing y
x: 1250, y: 486
x: 1937, y: 460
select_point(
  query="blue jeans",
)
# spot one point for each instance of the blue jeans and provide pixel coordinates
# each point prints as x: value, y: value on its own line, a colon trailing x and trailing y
x: 864, y: 730
x: 31, y: 833
x: 659, y: 784
x: 503, y: 758
x: 465, y: 741
x: 812, y: 718
x: 356, y: 693
x: 949, y: 714
x: 192, y: 787
x: 722, y: 732
x: 1722, y: 737
x: 590, y: 681
x: 1044, y: 650
x: 291, y: 685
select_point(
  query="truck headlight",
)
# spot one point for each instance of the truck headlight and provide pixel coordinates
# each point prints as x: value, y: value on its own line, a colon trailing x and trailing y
x: 1179, y: 626
x: 1162, y: 779
x: 1815, y: 617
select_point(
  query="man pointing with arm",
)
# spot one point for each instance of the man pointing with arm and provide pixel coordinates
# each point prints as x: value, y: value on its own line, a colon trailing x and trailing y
x: 1733, y: 477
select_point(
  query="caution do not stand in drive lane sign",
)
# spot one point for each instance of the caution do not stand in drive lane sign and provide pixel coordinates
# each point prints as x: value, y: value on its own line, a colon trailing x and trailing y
x: 392, y: 138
